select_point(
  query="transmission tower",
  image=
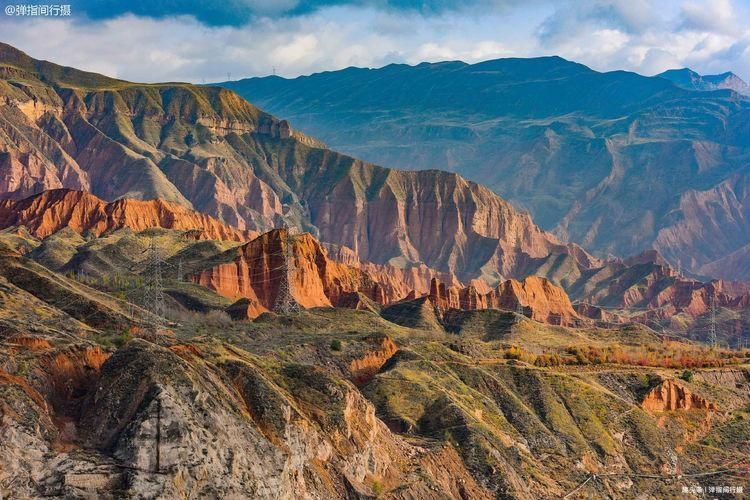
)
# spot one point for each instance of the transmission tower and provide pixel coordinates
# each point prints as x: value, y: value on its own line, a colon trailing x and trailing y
x: 153, y: 288
x: 519, y: 309
x: 712, y: 339
x: 285, y: 303
x: 179, y: 269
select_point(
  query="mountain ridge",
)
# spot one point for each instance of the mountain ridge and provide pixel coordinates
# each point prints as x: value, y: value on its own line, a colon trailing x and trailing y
x: 614, y: 168
x: 691, y: 80
x: 210, y: 150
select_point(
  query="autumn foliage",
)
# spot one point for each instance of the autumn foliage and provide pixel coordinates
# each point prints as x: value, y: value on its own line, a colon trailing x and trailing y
x: 666, y: 355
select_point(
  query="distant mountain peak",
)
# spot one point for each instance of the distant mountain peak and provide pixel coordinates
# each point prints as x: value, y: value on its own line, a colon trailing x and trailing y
x: 688, y: 79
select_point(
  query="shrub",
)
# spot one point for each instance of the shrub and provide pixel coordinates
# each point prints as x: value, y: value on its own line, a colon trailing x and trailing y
x: 377, y: 487
x: 519, y: 354
x: 687, y: 376
x: 335, y: 345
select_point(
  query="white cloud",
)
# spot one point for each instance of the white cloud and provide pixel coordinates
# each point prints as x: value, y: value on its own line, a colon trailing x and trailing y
x: 647, y: 36
x: 709, y: 16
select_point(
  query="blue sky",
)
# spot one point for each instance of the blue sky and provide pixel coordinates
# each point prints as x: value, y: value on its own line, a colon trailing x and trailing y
x: 207, y: 40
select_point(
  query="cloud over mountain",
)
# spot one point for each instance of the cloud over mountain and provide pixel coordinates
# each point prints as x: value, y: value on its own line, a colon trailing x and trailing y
x: 208, y: 40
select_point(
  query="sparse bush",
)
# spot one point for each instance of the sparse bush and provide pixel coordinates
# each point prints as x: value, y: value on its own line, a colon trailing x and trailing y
x: 519, y: 354
x: 549, y: 360
x: 687, y: 376
x: 335, y: 345
x: 216, y: 317
x: 377, y: 487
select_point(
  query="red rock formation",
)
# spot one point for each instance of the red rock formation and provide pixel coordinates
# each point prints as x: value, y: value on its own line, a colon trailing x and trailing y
x: 672, y: 396
x: 365, y: 367
x: 599, y: 314
x: 396, y: 281
x: 540, y: 299
x: 50, y: 211
x: 257, y: 269
x: 646, y: 282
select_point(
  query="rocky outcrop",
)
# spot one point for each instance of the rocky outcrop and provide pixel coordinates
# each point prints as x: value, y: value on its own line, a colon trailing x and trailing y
x: 599, y: 314
x: 51, y: 211
x: 671, y: 395
x: 648, y: 284
x: 535, y: 297
x: 366, y: 366
x: 255, y: 272
x: 396, y: 281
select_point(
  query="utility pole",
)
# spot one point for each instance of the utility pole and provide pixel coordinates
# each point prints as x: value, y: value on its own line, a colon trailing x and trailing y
x: 285, y: 302
x: 712, y: 338
x: 153, y: 288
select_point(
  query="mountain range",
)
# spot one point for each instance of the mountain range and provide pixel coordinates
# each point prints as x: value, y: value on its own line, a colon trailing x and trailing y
x: 629, y: 164
x: 207, y: 150
x: 199, y: 301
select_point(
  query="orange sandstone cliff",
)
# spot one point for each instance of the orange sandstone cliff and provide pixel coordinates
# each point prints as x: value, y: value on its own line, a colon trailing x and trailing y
x: 48, y: 212
x: 672, y: 396
x: 537, y: 297
x: 255, y: 271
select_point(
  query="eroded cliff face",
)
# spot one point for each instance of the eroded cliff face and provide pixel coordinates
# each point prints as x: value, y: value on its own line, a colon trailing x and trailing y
x: 366, y: 366
x: 255, y: 271
x: 535, y: 297
x: 51, y: 211
x: 647, y: 283
x: 165, y: 422
x: 65, y: 128
x: 670, y: 395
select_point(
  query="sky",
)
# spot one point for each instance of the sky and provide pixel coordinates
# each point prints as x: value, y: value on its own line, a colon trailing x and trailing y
x: 215, y: 40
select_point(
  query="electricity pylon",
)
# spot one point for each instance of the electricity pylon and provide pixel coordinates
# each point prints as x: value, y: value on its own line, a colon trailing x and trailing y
x: 153, y: 288
x: 712, y: 338
x: 285, y: 302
